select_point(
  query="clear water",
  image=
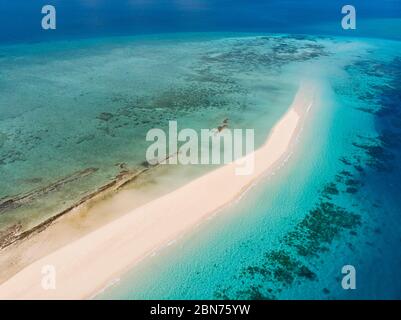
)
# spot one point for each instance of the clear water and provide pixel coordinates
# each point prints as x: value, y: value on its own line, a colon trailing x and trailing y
x: 346, y: 166
x: 87, y: 107
x: 77, y: 102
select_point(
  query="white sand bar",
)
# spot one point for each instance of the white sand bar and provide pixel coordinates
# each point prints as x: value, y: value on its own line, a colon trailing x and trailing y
x: 88, y: 264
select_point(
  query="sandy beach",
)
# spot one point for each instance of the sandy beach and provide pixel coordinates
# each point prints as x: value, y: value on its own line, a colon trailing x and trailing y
x: 87, y: 265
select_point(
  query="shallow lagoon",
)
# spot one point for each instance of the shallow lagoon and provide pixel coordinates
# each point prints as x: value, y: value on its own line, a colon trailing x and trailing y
x: 74, y: 115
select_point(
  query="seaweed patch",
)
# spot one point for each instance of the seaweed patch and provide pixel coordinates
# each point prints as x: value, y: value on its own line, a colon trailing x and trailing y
x: 288, y: 265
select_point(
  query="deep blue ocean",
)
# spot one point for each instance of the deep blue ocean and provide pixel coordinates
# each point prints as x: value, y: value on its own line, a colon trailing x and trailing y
x: 20, y: 19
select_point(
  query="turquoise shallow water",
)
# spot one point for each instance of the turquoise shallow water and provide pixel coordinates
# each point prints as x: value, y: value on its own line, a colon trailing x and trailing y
x: 77, y: 112
x: 69, y: 117
x: 336, y: 203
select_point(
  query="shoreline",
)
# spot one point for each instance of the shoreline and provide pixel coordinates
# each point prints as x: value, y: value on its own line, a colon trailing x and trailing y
x: 88, y: 265
x: 13, y: 234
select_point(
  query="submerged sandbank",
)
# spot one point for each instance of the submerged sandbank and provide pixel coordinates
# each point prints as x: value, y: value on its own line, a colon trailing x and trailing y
x: 87, y: 265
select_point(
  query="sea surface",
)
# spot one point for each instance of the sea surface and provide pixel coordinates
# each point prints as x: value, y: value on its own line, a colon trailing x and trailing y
x: 335, y: 202
x: 76, y: 104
